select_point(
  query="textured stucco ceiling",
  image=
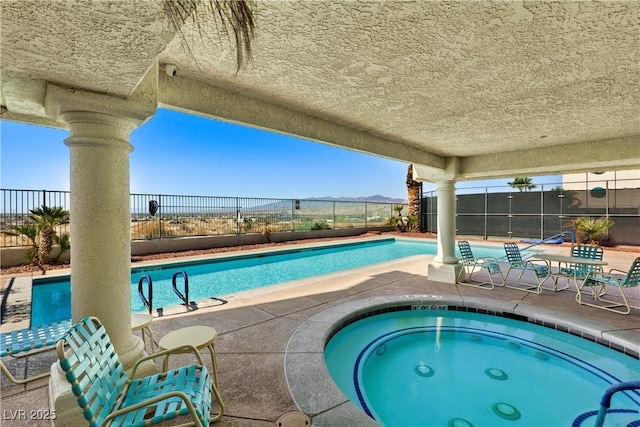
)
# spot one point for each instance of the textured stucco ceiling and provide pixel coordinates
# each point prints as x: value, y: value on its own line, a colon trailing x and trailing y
x: 551, y: 86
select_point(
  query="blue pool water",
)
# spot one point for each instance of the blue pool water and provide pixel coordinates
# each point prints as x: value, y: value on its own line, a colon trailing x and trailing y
x: 449, y: 368
x: 51, y: 297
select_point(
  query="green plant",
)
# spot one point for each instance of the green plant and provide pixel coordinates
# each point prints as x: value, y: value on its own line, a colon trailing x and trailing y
x: 245, y: 224
x: 267, y: 230
x: 65, y: 244
x: 47, y: 219
x: 400, y: 225
x: 41, y: 233
x: 320, y: 225
x: 594, y: 228
x: 413, y: 223
x: 237, y: 14
x: 30, y: 231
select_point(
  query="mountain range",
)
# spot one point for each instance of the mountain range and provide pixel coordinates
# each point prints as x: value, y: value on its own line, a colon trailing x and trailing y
x: 375, y: 199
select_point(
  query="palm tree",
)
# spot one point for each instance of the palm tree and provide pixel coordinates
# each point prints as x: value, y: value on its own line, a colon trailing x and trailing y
x: 413, y: 190
x: 413, y: 199
x: 399, y: 221
x: 522, y: 183
x: 30, y: 231
x: 47, y: 220
x: 237, y: 14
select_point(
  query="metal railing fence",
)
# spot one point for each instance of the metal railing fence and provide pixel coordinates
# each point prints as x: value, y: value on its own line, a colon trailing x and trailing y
x: 162, y: 216
x: 505, y: 212
x: 15, y: 208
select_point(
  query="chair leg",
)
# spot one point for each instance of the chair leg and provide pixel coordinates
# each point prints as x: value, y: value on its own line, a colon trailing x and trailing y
x: 523, y: 286
x: 605, y: 304
x: 15, y: 380
x: 468, y: 272
x: 147, y: 333
x: 216, y: 392
x: 555, y: 279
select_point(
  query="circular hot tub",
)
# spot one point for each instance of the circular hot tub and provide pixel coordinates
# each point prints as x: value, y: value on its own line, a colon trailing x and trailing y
x: 431, y: 361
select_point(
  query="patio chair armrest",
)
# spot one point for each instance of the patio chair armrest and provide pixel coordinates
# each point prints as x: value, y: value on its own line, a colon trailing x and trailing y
x: 540, y: 270
x: 616, y: 270
x: 174, y: 350
x: 534, y: 260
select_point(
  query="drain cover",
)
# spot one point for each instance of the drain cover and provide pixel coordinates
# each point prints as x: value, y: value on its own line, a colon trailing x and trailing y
x: 293, y: 419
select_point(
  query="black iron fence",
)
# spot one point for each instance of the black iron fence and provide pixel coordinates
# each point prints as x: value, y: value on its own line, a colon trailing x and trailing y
x: 505, y: 212
x: 489, y: 212
x: 161, y: 216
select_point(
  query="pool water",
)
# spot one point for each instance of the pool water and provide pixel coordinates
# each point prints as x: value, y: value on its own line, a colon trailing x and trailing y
x: 449, y: 368
x: 51, y: 297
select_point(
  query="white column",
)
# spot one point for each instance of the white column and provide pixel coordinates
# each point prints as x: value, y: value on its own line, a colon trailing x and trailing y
x: 100, y: 127
x: 445, y: 267
x: 446, y: 223
x: 100, y: 219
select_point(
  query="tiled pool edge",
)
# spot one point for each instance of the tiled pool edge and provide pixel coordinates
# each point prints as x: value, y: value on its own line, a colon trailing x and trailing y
x: 314, y: 391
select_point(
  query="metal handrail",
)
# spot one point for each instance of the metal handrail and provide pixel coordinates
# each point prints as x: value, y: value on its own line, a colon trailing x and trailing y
x: 605, y: 401
x: 148, y: 302
x: 555, y: 236
x: 184, y: 297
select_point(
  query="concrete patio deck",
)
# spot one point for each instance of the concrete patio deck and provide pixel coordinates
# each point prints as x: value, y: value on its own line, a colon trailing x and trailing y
x: 254, y: 329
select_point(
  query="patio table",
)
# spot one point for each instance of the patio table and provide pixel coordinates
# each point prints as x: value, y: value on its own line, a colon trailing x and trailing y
x: 567, y: 260
x: 198, y: 336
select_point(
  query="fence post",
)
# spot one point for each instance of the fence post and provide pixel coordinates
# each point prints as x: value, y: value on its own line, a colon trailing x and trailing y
x: 365, y: 214
x: 486, y: 213
x: 160, y: 216
x: 561, y: 201
x: 510, y: 216
x: 606, y: 199
x: 333, y: 215
x: 542, y: 212
x: 237, y: 216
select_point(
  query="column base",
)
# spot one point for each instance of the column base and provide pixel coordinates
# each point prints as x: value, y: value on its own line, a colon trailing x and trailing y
x: 440, y: 272
x: 62, y: 400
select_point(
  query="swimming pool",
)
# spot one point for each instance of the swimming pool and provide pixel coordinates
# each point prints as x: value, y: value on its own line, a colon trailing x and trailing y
x: 215, y: 277
x: 454, y: 368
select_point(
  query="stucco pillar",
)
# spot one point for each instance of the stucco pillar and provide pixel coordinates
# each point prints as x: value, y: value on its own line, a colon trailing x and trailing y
x: 100, y: 127
x: 445, y: 267
x: 101, y: 230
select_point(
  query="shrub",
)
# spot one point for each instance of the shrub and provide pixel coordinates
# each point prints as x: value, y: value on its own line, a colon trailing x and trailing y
x: 320, y: 225
x: 594, y: 228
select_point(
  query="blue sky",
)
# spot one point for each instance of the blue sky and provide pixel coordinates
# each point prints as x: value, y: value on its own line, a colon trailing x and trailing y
x: 176, y: 153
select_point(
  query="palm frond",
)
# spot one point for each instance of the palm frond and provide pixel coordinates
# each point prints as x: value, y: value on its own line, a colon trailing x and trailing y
x: 237, y: 14
x: 30, y: 231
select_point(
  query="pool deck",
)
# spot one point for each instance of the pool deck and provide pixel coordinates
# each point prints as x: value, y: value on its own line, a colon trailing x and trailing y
x: 255, y: 327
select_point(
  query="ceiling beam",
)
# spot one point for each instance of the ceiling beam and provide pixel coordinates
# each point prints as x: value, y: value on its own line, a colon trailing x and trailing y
x: 210, y: 101
x: 605, y: 155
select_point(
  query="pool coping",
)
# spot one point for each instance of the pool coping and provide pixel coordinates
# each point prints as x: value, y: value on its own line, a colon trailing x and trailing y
x: 316, y: 394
